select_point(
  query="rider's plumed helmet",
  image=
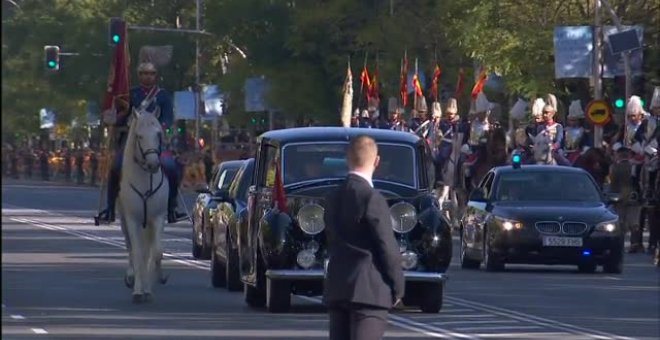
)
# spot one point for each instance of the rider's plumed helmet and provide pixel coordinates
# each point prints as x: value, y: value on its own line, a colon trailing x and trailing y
x: 437, y: 110
x: 575, y: 110
x: 634, y: 106
x: 655, y: 100
x: 452, y: 106
x: 146, y: 67
x: 537, y: 107
x: 518, y: 110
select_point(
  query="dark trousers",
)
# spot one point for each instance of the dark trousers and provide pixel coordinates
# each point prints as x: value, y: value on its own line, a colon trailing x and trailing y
x: 351, y: 322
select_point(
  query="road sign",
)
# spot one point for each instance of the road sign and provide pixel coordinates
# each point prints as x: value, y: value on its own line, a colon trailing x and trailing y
x: 624, y: 41
x: 599, y: 112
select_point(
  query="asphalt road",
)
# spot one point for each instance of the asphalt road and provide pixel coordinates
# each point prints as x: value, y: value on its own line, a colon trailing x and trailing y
x: 62, y: 277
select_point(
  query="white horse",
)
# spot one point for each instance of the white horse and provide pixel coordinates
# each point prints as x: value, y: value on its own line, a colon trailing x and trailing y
x: 543, y: 149
x: 142, y: 201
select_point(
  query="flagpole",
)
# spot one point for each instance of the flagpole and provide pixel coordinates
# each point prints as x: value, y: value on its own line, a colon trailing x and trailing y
x: 415, y: 87
x: 359, y: 103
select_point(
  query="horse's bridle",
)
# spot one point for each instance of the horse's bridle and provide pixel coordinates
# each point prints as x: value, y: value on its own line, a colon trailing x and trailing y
x: 145, y: 153
x: 151, y: 191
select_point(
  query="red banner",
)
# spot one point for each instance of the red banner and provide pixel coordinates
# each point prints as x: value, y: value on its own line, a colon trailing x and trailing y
x: 436, y: 80
x: 373, y: 85
x: 418, y: 86
x: 365, y: 81
x: 479, y: 85
x: 403, y: 89
x: 117, y: 93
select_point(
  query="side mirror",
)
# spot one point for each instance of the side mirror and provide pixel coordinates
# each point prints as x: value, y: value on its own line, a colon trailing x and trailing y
x: 203, y: 189
x: 478, y: 195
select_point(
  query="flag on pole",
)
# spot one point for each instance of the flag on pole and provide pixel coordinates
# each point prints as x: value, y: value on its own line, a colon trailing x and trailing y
x: 403, y: 89
x: 347, y: 104
x: 373, y: 84
x: 479, y: 85
x: 460, y: 84
x: 117, y: 93
x: 418, y: 86
x: 365, y: 81
x: 437, y: 72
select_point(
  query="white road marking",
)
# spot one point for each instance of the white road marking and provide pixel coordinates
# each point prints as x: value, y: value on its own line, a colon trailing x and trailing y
x: 486, y: 328
x: 475, y: 322
x: 39, y: 331
x: 419, y: 327
x: 17, y: 317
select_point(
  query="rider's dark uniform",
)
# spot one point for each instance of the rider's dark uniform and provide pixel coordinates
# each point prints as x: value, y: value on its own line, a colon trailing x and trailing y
x: 160, y: 99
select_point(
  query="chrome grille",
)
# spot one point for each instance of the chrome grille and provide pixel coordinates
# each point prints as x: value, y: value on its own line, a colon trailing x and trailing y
x: 548, y: 227
x: 573, y: 228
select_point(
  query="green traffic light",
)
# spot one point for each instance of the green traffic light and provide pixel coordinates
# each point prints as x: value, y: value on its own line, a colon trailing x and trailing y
x: 643, y: 104
x: 619, y: 103
x: 52, y: 64
x: 254, y: 121
x: 116, y: 38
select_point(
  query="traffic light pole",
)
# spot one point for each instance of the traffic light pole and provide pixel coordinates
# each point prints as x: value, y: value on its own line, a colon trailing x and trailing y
x: 597, y: 75
x: 626, y: 55
x: 198, y: 96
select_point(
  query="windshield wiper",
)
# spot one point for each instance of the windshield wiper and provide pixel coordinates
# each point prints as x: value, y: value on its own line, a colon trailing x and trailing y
x: 313, y: 182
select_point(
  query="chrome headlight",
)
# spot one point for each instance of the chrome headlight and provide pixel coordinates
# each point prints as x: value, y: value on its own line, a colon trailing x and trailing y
x: 408, y: 260
x: 508, y: 224
x: 404, y: 217
x: 310, y: 219
x: 607, y: 226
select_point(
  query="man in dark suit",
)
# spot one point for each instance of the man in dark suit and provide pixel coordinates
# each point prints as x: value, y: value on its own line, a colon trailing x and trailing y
x: 364, y: 276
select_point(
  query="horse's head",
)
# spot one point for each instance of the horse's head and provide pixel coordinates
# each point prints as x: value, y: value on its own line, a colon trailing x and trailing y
x: 543, y: 149
x: 148, y: 139
x: 496, y: 147
x: 596, y: 162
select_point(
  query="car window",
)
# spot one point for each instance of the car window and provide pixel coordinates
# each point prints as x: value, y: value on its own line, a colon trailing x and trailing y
x: 226, y: 176
x: 270, y: 165
x: 245, y: 180
x: 310, y: 161
x: 546, y: 186
x: 488, y: 183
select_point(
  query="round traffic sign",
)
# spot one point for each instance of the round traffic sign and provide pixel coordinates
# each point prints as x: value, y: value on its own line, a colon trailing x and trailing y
x: 599, y: 112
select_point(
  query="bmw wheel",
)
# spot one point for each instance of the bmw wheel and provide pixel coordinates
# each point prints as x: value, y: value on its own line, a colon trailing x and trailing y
x: 218, y: 271
x: 467, y: 263
x: 492, y: 264
x: 232, y: 275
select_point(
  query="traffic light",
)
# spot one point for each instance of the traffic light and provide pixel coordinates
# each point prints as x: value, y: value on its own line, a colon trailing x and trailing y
x: 168, y: 131
x: 116, y: 31
x: 619, y: 103
x: 52, y: 57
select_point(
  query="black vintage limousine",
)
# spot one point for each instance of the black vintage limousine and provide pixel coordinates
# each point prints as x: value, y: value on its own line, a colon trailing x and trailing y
x: 282, y: 250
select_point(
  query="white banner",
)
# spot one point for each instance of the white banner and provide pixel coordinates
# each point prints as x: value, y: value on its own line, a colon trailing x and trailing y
x: 573, y: 52
x: 184, y: 105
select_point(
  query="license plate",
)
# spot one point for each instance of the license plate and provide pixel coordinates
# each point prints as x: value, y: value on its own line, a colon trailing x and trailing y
x: 554, y: 241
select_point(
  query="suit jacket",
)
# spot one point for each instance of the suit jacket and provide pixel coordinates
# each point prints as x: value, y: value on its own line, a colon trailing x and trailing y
x: 364, y: 259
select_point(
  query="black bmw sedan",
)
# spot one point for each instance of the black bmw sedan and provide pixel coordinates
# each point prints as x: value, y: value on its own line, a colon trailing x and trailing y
x: 540, y: 214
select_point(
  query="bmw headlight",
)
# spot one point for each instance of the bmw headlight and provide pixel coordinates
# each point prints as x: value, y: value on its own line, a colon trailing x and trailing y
x: 310, y: 219
x: 508, y: 224
x: 404, y: 217
x: 607, y: 226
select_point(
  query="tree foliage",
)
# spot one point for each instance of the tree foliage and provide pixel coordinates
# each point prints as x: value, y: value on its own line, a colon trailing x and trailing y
x: 301, y: 47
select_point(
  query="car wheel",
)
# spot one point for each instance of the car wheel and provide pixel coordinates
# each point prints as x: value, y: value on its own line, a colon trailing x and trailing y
x: 232, y: 275
x: 614, y: 265
x: 467, y: 263
x: 218, y: 270
x: 432, y: 302
x: 256, y: 296
x: 205, y: 248
x: 492, y: 264
x: 589, y: 267
x: 278, y: 296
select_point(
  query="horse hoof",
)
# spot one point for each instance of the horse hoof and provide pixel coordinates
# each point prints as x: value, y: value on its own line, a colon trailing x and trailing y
x: 129, y: 281
x: 163, y: 279
x: 138, y: 298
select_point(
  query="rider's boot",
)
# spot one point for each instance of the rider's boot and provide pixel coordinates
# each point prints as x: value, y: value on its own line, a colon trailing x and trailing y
x: 108, y: 215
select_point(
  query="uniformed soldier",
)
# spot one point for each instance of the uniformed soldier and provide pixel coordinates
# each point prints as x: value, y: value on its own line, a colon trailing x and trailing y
x: 628, y: 207
x: 449, y: 127
x: 652, y: 142
x: 397, y: 122
x: 355, y: 118
x: 632, y: 137
x: 149, y: 96
x: 418, y: 114
x: 537, y: 116
x: 575, y: 141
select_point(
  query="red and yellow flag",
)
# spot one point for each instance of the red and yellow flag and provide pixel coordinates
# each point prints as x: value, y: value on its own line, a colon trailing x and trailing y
x: 418, y: 86
x: 436, y: 81
x: 117, y: 92
x: 373, y: 85
x: 364, y: 80
x: 479, y: 85
x: 460, y: 84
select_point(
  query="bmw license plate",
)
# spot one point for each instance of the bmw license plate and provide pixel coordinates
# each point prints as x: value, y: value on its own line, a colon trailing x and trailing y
x: 554, y: 241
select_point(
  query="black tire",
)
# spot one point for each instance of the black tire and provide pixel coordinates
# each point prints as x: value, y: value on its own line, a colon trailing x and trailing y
x: 614, y: 265
x: 467, y: 263
x: 256, y: 296
x: 432, y: 302
x: 218, y: 270
x: 232, y: 274
x: 205, y: 252
x: 589, y: 267
x: 492, y: 264
x: 278, y: 296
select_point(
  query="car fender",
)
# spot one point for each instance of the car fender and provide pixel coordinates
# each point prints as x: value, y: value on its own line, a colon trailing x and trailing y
x: 275, y: 239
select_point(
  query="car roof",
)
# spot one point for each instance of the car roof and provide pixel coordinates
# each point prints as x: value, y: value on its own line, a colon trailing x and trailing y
x: 538, y: 168
x: 231, y: 164
x: 334, y: 133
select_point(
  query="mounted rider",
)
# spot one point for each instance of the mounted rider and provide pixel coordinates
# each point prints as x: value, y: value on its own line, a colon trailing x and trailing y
x: 448, y: 128
x: 537, y: 115
x: 552, y: 128
x: 632, y: 135
x: 520, y: 140
x: 576, y: 139
x: 418, y: 114
x: 396, y: 121
x: 148, y: 96
x: 477, y: 135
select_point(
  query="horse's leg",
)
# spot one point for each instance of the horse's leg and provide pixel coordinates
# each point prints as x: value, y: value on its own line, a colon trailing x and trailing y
x: 129, y: 276
x: 137, y: 243
x: 149, y: 259
x: 158, y: 253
